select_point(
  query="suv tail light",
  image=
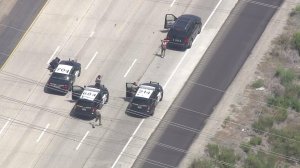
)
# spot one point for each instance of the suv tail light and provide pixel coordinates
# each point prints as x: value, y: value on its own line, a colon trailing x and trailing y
x: 186, y: 40
x: 65, y: 87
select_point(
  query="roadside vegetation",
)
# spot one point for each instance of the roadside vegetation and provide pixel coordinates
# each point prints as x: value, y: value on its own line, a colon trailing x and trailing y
x: 271, y: 136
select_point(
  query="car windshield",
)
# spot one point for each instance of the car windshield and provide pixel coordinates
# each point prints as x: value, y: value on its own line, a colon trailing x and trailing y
x: 140, y: 101
x: 85, y: 103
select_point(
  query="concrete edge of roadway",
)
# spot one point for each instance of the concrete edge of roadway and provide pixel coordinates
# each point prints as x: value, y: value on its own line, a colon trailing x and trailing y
x: 214, y: 24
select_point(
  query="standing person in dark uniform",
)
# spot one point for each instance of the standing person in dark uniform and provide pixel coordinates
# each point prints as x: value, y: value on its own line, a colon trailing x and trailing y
x: 98, y: 118
x: 134, y: 87
x: 98, y: 81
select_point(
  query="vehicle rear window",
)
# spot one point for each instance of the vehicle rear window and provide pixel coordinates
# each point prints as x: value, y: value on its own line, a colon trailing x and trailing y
x: 140, y: 101
x: 177, y: 33
x: 60, y: 76
x: 58, y: 81
x: 85, y: 103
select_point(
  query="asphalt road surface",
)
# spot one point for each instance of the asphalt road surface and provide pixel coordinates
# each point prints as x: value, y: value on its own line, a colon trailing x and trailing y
x: 115, y: 38
x: 205, y: 87
x: 15, y: 18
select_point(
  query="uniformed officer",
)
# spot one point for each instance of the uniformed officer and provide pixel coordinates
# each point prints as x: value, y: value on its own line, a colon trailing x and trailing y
x: 98, y: 81
x: 134, y: 87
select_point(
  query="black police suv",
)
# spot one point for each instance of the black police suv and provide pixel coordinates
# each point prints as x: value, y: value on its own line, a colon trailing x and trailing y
x: 63, y: 77
x: 183, y: 30
x: 143, y: 98
x: 88, y: 99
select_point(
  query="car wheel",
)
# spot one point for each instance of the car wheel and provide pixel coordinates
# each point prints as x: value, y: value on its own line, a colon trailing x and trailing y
x: 162, y: 95
x: 152, y: 112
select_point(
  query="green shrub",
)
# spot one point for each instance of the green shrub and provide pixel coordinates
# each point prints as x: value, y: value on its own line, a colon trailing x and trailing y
x: 202, y: 164
x: 213, y: 150
x: 279, y: 101
x: 286, y: 142
x: 296, y: 41
x: 286, y: 76
x: 280, y: 115
x: 292, y: 91
x: 289, y: 99
x: 295, y: 10
x: 258, y: 83
x: 245, y: 147
x: 224, y: 157
x: 259, y: 160
x: 263, y: 124
x: 255, y: 141
x: 295, y: 104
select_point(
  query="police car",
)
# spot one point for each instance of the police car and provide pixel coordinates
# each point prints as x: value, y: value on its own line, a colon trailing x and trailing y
x: 63, y: 76
x: 88, y: 99
x: 143, y: 99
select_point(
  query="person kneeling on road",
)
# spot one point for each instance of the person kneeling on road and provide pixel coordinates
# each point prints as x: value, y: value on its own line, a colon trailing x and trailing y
x: 54, y: 63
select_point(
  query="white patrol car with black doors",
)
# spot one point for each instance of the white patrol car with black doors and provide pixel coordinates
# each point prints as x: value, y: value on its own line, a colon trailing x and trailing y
x: 88, y: 99
x: 143, y: 98
x: 63, y: 76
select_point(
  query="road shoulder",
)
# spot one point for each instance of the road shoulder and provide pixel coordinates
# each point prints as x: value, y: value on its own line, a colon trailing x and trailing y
x: 238, y: 86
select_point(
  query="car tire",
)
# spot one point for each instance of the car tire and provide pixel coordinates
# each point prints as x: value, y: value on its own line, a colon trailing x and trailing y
x: 70, y: 87
x: 152, y: 112
x: 162, y: 95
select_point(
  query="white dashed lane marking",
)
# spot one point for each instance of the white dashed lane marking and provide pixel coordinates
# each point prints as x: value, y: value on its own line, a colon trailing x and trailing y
x: 91, y: 60
x: 92, y: 34
x: 172, y: 3
x: 130, y: 68
x: 86, y: 134
x: 5, y: 125
x: 43, y: 132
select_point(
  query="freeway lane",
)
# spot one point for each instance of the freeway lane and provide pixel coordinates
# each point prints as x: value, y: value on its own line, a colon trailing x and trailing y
x: 15, y: 18
x: 218, y: 68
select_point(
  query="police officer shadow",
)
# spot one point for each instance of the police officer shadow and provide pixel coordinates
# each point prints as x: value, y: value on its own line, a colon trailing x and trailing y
x: 164, y: 31
x: 127, y: 99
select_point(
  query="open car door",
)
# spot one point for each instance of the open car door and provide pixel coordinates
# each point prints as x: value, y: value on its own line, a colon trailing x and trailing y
x: 130, y: 91
x: 76, y: 92
x: 169, y: 20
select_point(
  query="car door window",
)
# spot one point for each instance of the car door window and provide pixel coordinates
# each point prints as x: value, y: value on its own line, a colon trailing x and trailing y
x: 129, y: 90
x: 169, y: 20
